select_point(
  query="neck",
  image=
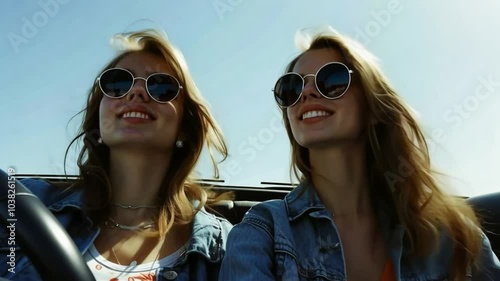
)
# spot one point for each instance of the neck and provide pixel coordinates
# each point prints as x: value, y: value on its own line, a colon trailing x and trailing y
x: 340, y: 177
x: 136, y: 178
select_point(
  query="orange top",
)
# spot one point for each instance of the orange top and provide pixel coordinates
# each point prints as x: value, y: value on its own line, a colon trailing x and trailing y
x: 388, y: 273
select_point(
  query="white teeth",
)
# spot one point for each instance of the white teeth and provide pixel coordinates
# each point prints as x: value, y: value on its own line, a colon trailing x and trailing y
x: 314, y: 113
x: 135, y: 114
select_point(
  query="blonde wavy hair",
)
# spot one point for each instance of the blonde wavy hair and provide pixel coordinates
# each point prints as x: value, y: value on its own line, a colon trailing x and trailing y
x: 198, y: 127
x: 415, y: 199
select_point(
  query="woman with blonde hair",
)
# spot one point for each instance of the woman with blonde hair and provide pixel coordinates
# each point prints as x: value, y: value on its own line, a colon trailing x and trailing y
x: 136, y: 213
x: 368, y: 206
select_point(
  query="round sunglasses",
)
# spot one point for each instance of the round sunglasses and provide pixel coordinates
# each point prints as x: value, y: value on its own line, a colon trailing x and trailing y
x: 332, y: 81
x: 117, y: 82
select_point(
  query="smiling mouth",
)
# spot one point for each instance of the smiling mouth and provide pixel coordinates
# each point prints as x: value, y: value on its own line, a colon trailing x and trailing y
x: 315, y: 113
x: 137, y: 114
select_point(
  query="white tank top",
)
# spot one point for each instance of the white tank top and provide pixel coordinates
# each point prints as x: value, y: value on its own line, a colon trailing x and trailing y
x: 106, y: 270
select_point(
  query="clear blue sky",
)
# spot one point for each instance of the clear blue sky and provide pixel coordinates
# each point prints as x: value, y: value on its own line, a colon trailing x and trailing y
x: 443, y: 59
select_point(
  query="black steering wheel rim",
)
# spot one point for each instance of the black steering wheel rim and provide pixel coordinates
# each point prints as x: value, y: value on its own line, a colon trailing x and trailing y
x: 40, y: 234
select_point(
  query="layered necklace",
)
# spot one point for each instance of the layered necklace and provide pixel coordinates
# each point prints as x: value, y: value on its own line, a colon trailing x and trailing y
x: 111, y: 223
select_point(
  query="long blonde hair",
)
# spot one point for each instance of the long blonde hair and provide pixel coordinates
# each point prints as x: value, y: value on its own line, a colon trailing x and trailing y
x: 199, y: 128
x: 415, y: 198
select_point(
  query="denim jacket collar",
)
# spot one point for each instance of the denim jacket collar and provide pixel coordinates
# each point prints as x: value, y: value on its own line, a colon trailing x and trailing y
x: 305, y: 200
x: 73, y: 199
x: 302, y: 200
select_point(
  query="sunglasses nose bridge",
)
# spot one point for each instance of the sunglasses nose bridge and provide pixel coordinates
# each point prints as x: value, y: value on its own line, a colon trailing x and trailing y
x: 142, y: 85
x: 306, y: 82
x: 309, y: 86
x: 139, y: 89
x: 139, y: 78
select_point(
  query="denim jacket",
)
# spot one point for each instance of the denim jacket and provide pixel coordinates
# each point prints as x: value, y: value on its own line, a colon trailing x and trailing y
x: 201, y: 261
x: 296, y: 239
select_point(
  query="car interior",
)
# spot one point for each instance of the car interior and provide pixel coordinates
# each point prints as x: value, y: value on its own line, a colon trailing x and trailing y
x: 486, y: 206
x: 39, y: 233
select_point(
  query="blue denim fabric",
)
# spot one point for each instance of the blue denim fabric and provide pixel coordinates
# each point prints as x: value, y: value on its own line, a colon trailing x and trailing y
x: 201, y: 261
x: 296, y: 239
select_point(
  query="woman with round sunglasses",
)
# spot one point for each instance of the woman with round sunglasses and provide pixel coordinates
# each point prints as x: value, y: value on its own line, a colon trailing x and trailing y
x: 368, y: 206
x: 135, y: 212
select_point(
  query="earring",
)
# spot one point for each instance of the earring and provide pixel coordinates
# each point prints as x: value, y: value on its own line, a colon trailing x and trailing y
x: 179, y: 144
x: 99, y: 140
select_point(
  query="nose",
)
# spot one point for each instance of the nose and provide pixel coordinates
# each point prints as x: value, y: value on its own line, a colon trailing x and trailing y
x: 138, y: 90
x: 310, y: 90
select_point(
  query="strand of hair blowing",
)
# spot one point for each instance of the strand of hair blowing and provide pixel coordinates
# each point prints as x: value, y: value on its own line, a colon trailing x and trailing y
x: 426, y: 212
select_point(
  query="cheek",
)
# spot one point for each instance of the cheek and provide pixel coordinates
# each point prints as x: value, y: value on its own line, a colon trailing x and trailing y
x: 104, y: 108
x: 293, y: 123
x: 175, y: 110
x: 353, y: 118
x: 172, y: 112
x: 289, y: 116
x: 105, y: 115
x: 353, y: 103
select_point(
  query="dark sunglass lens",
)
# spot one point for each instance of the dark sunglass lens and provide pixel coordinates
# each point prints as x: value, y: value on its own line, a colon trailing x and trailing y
x: 333, y: 80
x: 163, y: 87
x: 288, y: 89
x: 116, y: 82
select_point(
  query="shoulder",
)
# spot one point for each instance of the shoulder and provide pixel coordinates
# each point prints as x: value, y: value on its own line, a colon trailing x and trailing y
x: 209, y: 227
x: 209, y: 235
x: 295, y: 203
x: 268, y: 210
x: 203, y: 218
x: 445, y: 251
x: 45, y: 191
x: 266, y: 216
x: 261, y: 223
x: 222, y: 224
x: 487, y: 261
x: 51, y: 195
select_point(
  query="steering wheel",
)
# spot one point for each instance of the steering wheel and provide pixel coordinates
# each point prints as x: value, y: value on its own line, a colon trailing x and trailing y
x: 40, y: 234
